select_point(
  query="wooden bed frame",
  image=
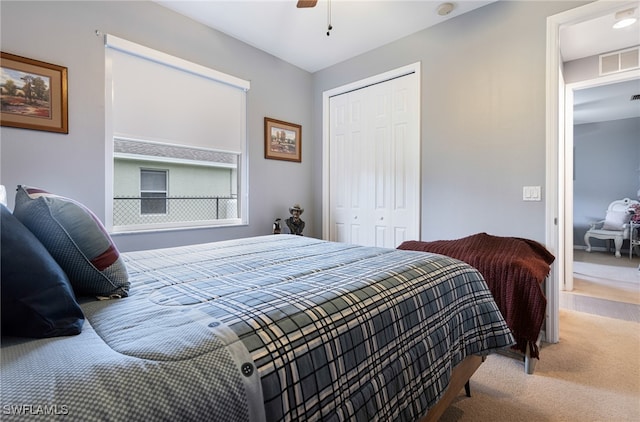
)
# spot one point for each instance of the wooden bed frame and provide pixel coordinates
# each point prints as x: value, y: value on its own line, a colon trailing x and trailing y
x: 459, y: 379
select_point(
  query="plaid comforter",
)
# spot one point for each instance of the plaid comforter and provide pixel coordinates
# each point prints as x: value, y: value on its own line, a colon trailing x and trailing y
x: 514, y: 269
x: 276, y: 328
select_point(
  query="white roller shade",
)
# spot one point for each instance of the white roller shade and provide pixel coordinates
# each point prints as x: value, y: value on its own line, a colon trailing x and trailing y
x: 163, y: 98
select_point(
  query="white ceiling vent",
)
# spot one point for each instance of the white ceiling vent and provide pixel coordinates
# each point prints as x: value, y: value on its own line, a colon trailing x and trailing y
x: 620, y: 61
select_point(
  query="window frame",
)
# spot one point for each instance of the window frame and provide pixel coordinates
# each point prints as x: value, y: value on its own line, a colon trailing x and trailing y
x: 113, y: 43
x: 165, y: 191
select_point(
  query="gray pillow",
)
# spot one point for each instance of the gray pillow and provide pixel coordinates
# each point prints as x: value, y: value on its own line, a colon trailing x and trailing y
x: 76, y: 239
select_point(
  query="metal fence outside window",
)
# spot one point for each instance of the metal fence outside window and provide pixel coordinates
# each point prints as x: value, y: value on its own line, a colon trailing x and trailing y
x: 136, y: 210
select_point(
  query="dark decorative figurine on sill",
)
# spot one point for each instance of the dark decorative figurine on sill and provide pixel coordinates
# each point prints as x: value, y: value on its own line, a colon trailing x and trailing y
x: 276, y: 226
x: 295, y: 224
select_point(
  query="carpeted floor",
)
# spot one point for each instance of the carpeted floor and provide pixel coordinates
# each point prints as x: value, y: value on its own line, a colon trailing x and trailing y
x: 591, y: 375
x: 629, y: 293
x: 619, y: 274
x: 604, y: 285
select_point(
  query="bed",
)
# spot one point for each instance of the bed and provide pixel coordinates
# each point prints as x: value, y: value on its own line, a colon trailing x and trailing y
x: 515, y: 270
x: 268, y: 328
x: 276, y: 327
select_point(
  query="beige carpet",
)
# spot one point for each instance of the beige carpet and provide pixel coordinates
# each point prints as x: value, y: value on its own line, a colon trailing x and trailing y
x: 591, y: 375
x: 606, y: 258
x: 604, y: 285
x: 618, y: 292
x: 614, y: 273
x: 602, y: 275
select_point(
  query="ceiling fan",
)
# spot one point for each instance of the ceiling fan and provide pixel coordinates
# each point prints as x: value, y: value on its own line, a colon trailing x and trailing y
x: 306, y: 3
x: 312, y: 3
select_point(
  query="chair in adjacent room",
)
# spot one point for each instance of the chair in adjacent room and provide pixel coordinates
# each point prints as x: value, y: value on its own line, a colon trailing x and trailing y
x: 614, y: 227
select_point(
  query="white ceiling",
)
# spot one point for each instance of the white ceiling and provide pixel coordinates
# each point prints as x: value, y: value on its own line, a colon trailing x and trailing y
x: 606, y: 102
x: 299, y: 36
x: 597, y: 36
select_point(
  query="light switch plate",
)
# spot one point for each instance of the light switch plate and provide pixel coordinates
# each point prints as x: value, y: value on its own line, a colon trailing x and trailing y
x: 531, y: 193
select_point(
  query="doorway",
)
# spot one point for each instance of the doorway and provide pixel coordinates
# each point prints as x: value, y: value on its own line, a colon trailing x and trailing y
x: 600, y: 283
x: 559, y: 206
x: 592, y: 92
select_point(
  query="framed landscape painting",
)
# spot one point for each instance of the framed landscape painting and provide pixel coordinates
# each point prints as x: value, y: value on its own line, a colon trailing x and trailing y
x: 34, y: 94
x: 282, y: 140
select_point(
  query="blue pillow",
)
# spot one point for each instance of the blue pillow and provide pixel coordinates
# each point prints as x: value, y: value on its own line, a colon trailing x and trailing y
x: 76, y: 239
x: 37, y: 298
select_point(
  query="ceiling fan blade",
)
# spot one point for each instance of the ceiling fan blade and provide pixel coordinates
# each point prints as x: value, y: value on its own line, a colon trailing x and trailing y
x: 306, y: 3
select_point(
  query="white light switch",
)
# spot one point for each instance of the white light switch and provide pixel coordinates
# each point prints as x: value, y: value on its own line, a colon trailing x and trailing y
x: 531, y: 193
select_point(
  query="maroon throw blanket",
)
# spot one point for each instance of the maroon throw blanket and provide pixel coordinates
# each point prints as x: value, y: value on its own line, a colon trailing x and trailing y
x: 514, y: 269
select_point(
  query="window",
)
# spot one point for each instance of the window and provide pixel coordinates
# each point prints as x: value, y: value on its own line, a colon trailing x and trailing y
x: 166, y: 116
x: 153, y: 191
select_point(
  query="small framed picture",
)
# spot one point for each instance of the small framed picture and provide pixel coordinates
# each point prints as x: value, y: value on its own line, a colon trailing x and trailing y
x: 282, y: 140
x: 34, y: 94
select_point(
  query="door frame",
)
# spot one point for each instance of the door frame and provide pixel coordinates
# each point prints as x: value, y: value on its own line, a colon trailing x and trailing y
x: 570, y: 90
x: 559, y: 158
x: 326, y: 126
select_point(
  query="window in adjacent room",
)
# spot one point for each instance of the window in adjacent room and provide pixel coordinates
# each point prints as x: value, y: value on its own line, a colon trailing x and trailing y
x: 177, y: 133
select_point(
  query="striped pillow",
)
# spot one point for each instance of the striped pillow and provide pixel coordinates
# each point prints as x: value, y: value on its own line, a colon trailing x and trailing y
x: 76, y: 239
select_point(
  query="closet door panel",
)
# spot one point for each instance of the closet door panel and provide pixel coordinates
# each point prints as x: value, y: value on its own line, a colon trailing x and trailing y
x: 374, y: 165
x: 340, y: 192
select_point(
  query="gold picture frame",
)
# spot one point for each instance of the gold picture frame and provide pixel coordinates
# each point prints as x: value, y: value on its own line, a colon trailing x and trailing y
x: 282, y: 140
x: 34, y: 94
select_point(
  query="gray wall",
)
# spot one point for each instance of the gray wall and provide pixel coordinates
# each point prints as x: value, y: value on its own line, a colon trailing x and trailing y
x: 483, y: 112
x: 73, y: 165
x: 607, y: 164
x: 581, y: 70
x: 483, y: 116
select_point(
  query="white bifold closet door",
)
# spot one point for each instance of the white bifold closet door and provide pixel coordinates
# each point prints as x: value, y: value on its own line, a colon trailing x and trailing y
x: 374, y: 164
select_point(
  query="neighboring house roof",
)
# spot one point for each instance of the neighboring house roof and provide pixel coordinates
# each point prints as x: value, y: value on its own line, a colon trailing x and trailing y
x: 130, y: 147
